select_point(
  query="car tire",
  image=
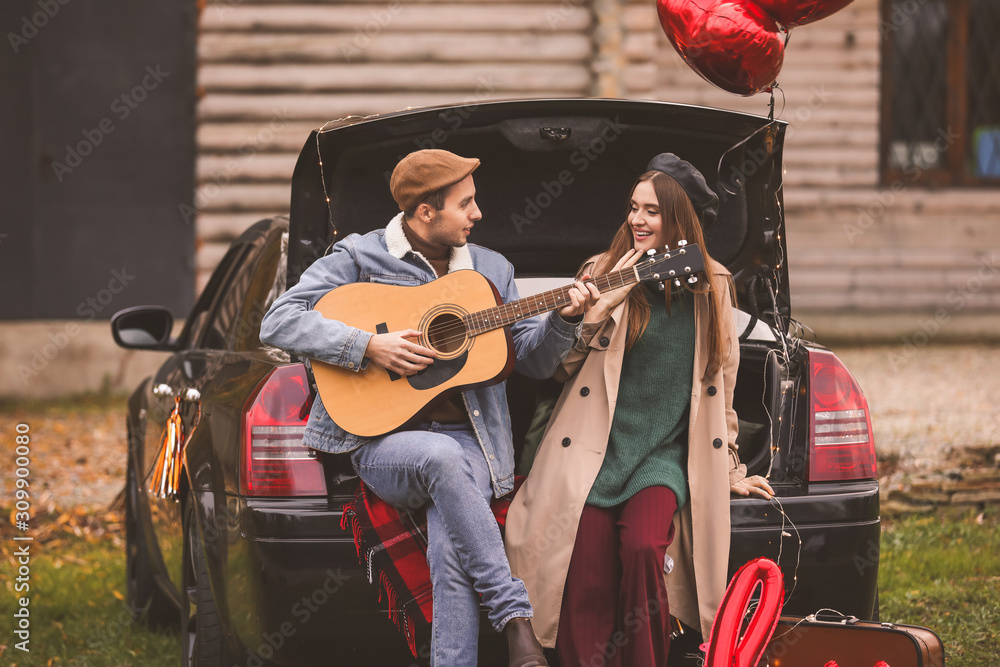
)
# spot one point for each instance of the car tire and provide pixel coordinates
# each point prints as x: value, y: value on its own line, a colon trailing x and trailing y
x: 202, y: 641
x: 144, y: 597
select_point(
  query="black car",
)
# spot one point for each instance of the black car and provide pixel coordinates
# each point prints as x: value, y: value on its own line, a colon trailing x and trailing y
x: 249, y: 550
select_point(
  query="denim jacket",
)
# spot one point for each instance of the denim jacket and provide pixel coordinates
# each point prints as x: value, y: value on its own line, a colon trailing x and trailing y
x: 385, y: 256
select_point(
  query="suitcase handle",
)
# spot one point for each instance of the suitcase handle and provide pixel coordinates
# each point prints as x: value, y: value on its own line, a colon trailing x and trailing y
x: 841, y: 620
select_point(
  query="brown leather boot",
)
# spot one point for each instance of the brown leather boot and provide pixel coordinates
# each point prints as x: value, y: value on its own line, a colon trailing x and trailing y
x: 525, y: 651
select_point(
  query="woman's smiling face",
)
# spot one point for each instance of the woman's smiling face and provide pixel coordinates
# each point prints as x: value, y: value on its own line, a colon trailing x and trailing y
x: 645, y: 218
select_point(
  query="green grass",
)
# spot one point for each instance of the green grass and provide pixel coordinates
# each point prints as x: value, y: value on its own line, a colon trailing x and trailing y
x: 942, y: 571
x: 77, y: 617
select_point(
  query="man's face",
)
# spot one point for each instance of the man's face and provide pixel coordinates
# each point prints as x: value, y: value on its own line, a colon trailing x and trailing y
x: 452, y: 225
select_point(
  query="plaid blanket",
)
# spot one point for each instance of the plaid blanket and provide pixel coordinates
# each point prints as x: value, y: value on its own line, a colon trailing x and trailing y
x: 393, y: 549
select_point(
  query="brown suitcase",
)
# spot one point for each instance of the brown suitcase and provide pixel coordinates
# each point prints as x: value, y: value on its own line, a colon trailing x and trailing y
x: 814, y: 640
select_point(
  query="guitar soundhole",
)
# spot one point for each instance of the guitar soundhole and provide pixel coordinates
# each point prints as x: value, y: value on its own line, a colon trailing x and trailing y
x: 446, y: 333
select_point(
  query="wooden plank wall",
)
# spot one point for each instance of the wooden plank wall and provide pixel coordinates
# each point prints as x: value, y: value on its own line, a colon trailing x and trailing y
x: 271, y: 70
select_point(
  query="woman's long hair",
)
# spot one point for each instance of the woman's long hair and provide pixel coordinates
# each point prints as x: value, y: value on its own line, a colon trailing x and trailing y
x: 680, y: 222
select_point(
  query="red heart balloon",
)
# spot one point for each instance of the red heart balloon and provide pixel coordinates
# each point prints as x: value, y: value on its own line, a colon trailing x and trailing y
x: 791, y: 13
x: 730, y: 43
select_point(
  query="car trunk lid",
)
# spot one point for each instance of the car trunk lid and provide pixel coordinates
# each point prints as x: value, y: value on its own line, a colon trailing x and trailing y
x: 554, y: 179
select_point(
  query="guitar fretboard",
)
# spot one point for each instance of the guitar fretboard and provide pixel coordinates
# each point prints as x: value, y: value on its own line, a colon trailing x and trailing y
x: 515, y: 311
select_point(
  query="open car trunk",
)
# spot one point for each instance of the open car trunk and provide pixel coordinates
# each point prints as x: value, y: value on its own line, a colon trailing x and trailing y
x: 553, y: 181
x: 552, y: 185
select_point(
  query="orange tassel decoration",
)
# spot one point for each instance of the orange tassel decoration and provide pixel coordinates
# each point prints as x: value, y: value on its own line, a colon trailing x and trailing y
x: 167, y: 474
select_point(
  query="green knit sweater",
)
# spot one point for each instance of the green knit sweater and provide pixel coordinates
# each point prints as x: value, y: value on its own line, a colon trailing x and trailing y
x: 649, y: 434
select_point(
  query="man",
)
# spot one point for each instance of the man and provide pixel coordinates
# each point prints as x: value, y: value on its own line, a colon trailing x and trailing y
x: 461, y: 454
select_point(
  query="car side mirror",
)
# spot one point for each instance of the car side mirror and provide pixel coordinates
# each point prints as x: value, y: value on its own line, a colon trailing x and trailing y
x: 143, y: 328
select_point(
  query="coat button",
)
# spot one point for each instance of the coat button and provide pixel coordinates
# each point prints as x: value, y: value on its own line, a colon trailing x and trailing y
x: 717, y: 443
x: 584, y: 391
x: 711, y: 390
x: 605, y: 341
x: 565, y: 442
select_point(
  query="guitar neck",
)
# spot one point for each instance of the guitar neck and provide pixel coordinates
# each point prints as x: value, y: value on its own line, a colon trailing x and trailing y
x: 515, y: 311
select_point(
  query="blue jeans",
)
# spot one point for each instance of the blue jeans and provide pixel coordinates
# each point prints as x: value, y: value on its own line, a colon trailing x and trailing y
x: 442, y: 467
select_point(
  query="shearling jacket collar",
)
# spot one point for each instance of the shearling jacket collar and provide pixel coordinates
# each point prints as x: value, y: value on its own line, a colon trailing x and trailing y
x: 398, y: 246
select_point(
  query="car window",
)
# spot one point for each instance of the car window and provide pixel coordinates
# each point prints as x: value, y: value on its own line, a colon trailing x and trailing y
x: 197, y: 319
x: 226, y: 311
x: 198, y: 330
x: 265, y: 281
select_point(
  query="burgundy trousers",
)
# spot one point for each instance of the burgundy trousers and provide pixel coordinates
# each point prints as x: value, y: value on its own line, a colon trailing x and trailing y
x: 614, y: 609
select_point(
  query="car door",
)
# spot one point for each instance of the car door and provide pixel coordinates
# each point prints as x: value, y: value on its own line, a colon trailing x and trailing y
x: 177, y: 385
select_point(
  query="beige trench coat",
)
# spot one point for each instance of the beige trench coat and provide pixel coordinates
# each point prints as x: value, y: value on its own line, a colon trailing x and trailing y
x: 543, y: 518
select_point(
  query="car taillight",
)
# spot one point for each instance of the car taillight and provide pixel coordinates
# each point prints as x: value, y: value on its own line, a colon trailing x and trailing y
x: 274, y: 460
x: 841, y: 442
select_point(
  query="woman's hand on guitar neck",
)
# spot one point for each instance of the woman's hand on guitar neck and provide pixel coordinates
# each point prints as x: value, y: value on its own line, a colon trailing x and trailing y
x: 395, y: 352
x: 611, y: 298
x: 582, y: 297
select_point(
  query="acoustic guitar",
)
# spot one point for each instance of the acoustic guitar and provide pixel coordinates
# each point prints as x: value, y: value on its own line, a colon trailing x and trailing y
x: 460, y: 316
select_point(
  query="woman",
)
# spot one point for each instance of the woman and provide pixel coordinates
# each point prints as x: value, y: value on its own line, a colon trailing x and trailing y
x: 633, y: 475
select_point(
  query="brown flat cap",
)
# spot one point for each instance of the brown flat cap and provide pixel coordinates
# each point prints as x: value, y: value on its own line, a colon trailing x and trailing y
x: 423, y: 172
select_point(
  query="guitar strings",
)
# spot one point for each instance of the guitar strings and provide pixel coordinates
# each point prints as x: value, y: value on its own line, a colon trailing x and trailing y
x: 456, y: 332
x: 514, y: 308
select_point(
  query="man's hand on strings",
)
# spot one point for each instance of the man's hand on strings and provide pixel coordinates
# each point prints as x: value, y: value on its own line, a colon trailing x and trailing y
x: 395, y: 351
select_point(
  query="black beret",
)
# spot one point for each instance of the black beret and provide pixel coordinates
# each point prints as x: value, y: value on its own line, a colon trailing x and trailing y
x: 706, y: 202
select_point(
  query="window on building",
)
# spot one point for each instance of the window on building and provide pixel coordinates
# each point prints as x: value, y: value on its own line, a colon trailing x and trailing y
x: 941, y: 91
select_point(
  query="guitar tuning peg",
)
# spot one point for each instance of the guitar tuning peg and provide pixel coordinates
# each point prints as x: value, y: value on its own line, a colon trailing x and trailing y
x: 666, y: 247
x: 682, y: 243
x: 660, y: 286
x: 651, y: 252
x: 677, y: 282
x: 692, y: 280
